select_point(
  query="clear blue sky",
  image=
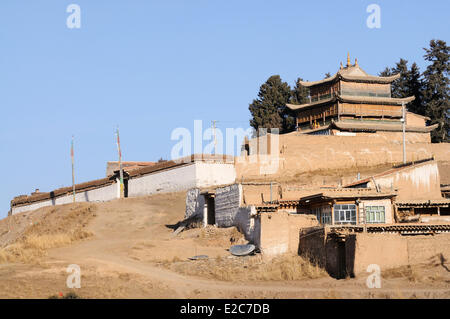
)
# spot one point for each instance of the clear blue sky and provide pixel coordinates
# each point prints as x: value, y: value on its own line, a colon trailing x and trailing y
x: 152, y: 66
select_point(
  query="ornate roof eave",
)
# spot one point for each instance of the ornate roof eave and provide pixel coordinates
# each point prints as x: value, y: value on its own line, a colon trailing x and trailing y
x: 353, y: 99
x: 375, y: 100
x: 366, y: 127
x: 369, y: 127
x: 364, y: 79
x: 307, y: 105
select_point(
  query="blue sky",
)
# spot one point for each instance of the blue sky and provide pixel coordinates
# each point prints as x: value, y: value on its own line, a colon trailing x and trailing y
x: 152, y: 66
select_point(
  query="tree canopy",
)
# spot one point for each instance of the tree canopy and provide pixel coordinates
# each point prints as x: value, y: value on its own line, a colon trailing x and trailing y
x: 430, y: 88
x: 436, y: 92
x: 269, y: 110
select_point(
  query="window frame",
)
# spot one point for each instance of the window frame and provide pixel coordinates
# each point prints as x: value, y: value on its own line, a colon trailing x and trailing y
x: 377, y: 213
x: 345, y: 214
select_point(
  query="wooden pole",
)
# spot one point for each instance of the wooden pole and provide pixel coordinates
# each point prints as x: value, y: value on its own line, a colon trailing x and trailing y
x: 120, y: 164
x: 404, y: 129
x: 73, y: 170
x: 214, y: 134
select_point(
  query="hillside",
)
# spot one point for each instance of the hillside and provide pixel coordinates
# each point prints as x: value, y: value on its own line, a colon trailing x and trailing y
x: 126, y: 249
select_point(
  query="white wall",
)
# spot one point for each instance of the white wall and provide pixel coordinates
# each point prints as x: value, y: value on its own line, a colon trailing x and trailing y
x: 192, y: 175
x: 33, y: 206
x: 171, y: 180
x: 101, y: 194
x: 210, y: 174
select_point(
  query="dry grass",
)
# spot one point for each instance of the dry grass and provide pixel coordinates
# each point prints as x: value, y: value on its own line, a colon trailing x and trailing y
x: 55, y: 229
x: 252, y: 268
x: 414, y: 274
x: 29, y: 249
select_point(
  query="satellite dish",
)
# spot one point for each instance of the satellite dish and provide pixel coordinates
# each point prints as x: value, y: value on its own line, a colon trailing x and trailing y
x: 242, y: 250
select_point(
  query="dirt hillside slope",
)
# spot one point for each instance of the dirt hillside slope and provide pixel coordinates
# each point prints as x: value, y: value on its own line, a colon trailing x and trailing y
x: 126, y: 249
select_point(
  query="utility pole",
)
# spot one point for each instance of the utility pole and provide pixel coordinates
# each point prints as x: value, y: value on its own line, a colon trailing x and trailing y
x: 120, y: 163
x: 73, y: 170
x: 214, y: 134
x: 404, y: 129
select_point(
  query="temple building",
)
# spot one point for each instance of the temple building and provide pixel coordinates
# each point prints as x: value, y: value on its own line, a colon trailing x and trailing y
x: 353, y: 101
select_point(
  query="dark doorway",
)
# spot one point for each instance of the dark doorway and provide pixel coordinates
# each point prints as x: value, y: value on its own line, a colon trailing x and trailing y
x: 125, y: 188
x: 211, y: 218
x: 342, y: 268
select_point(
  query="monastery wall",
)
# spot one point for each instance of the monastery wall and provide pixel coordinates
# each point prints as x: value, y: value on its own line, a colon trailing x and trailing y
x: 100, y: 194
x: 297, y: 154
x: 170, y: 180
x: 198, y: 174
x: 178, y: 178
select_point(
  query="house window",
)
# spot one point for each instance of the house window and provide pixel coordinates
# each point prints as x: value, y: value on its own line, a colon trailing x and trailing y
x: 326, y: 215
x: 375, y: 214
x: 345, y: 214
x: 323, y: 214
x: 316, y: 211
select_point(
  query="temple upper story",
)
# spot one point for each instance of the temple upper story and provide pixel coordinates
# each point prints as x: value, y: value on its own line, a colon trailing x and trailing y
x: 353, y: 100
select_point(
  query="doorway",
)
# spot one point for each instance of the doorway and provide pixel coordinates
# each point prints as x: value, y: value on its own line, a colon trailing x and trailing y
x: 211, y: 211
x: 342, y: 264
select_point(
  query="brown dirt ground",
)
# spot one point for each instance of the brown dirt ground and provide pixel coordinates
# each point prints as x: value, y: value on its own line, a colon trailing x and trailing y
x: 127, y: 250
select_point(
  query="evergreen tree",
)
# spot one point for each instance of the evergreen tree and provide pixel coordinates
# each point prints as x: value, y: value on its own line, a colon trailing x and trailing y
x: 416, y: 87
x: 386, y: 72
x: 436, y: 93
x: 300, y: 94
x: 399, y: 88
x: 269, y: 110
x: 410, y: 83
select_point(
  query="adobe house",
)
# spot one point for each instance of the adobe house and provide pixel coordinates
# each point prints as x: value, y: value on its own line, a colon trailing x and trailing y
x: 419, y: 194
x: 350, y: 206
x: 352, y: 102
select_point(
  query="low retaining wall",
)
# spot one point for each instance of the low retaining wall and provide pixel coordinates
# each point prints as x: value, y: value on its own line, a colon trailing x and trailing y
x: 280, y: 231
x: 353, y: 255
